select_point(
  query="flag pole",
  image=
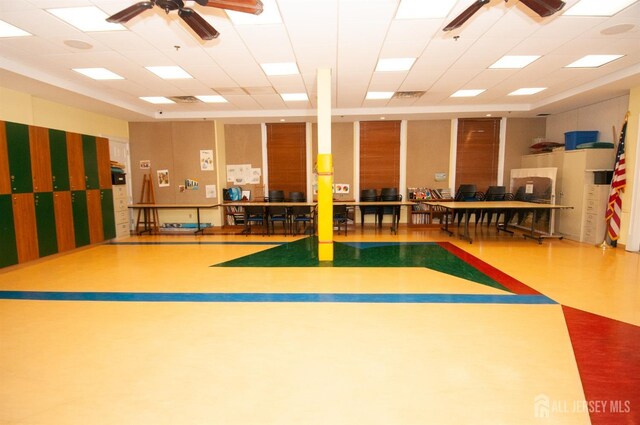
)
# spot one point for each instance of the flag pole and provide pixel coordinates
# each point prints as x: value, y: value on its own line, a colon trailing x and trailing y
x: 604, y: 245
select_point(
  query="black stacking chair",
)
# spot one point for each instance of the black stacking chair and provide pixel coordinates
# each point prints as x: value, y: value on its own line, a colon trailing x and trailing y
x: 340, y: 217
x: 368, y: 195
x: 493, y: 193
x: 277, y: 213
x: 300, y: 214
x: 465, y: 193
x: 389, y: 194
x: 253, y: 215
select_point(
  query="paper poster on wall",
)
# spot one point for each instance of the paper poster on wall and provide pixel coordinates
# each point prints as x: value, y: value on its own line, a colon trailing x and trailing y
x: 528, y: 188
x: 191, y: 184
x: 254, y: 175
x: 145, y: 164
x: 206, y: 160
x: 163, y: 178
x: 210, y: 191
x: 341, y: 188
x: 231, y: 173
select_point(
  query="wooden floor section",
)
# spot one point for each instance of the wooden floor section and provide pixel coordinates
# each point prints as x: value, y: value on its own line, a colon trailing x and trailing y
x: 413, y: 328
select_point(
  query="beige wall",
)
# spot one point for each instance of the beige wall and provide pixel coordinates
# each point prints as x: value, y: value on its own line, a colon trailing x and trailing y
x: 342, y: 155
x: 631, y: 154
x: 519, y: 136
x: 428, y: 149
x: 243, y: 145
x: 26, y: 109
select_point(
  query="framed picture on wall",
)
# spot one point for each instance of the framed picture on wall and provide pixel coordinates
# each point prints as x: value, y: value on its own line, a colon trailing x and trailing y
x: 163, y: 178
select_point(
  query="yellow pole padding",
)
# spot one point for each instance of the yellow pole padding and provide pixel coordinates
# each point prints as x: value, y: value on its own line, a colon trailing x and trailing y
x: 325, y: 207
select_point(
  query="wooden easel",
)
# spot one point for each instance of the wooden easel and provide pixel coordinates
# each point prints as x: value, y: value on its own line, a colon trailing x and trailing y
x: 150, y: 218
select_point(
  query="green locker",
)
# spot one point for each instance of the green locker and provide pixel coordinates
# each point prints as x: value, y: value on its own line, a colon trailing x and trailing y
x: 19, y: 157
x: 80, y: 217
x: 8, y: 248
x: 59, y: 162
x: 46, y: 223
x: 108, y: 215
x: 90, y: 154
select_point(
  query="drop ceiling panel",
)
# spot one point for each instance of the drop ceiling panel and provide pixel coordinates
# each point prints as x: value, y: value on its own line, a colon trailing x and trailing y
x: 274, y: 101
x: 260, y: 40
x: 39, y: 22
x: 408, y: 38
x: 386, y: 81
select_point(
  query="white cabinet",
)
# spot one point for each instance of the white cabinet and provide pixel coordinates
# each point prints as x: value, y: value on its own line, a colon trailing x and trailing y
x: 595, y: 205
x: 572, y: 179
x: 120, y: 209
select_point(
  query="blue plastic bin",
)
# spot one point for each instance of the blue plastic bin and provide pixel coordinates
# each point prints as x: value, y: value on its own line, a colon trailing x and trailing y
x: 574, y: 138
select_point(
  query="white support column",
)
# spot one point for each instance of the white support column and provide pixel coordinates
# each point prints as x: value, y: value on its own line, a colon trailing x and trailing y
x: 501, y: 150
x: 265, y: 160
x: 403, y: 167
x: 309, y: 160
x: 325, y: 168
x: 356, y: 160
x: 453, y: 151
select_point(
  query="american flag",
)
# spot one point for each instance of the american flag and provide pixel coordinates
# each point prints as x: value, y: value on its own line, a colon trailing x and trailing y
x: 619, y: 180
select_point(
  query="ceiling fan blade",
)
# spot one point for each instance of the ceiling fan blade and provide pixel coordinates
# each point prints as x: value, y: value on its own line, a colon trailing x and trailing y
x: 246, y: 6
x: 130, y: 12
x: 464, y: 16
x: 198, y: 24
x: 544, y: 7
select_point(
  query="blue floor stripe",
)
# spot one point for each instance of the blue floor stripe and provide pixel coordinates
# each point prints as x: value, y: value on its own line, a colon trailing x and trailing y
x: 197, y: 243
x: 221, y: 297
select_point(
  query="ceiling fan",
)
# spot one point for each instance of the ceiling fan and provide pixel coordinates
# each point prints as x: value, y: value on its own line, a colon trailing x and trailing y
x: 195, y: 21
x: 543, y: 8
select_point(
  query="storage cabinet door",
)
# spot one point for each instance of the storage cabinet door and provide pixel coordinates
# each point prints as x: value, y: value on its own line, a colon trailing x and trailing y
x: 104, y: 162
x: 5, y: 181
x: 46, y: 223
x: 8, y: 248
x: 59, y: 161
x: 24, y: 215
x: 40, y: 159
x: 75, y: 162
x: 80, y: 217
x: 94, y: 210
x: 19, y: 157
x: 90, y: 155
x: 64, y: 221
x: 108, y: 214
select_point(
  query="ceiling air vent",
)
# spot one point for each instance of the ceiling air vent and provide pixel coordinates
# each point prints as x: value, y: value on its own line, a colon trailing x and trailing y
x: 185, y: 99
x: 408, y: 94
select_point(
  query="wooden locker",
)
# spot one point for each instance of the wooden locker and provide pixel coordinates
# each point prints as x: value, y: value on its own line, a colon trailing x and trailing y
x: 19, y: 157
x: 24, y: 217
x: 90, y: 156
x: 64, y: 221
x: 40, y: 159
x: 5, y: 181
x: 80, y: 217
x: 104, y: 162
x: 59, y: 161
x: 94, y: 212
x: 75, y: 161
x: 46, y: 224
x: 8, y: 249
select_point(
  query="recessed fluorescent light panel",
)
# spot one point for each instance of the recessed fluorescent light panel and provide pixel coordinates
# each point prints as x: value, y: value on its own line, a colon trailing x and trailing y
x: 8, y: 30
x: 421, y: 9
x: 513, y: 62
x: 468, y: 93
x: 527, y: 91
x: 598, y: 7
x: 157, y: 100
x: 98, y: 73
x: 88, y: 18
x: 294, y: 97
x: 169, y: 72
x: 395, y: 64
x: 286, y: 68
x: 593, y: 61
x: 269, y: 15
x: 212, y: 99
x: 377, y: 95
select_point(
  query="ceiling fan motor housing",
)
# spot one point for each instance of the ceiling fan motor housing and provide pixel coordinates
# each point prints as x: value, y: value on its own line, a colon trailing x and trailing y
x: 169, y: 5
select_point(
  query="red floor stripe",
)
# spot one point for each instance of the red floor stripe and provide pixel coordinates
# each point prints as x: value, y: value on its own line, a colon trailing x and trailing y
x: 607, y: 352
x: 499, y: 276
